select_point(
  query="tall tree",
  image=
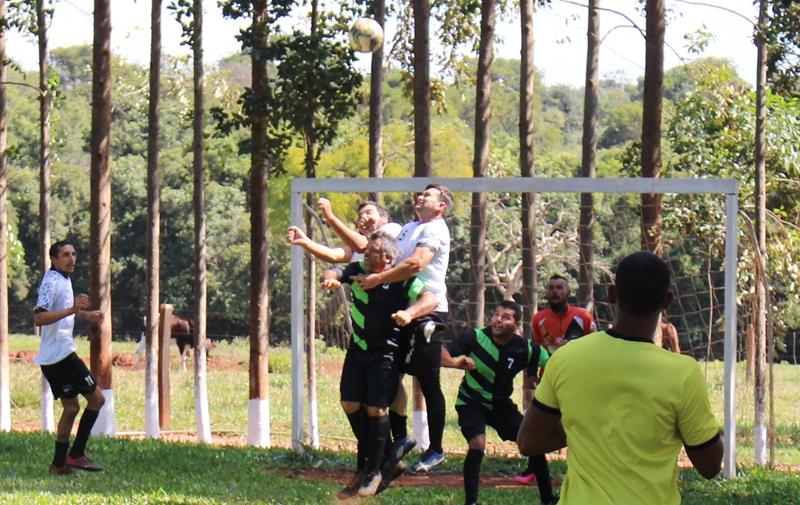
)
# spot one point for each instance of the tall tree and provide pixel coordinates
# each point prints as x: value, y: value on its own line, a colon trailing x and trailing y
x: 483, y: 113
x: 759, y: 155
x: 422, y: 89
x: 378, y: 12
x: 5, y: 389
x: 652, y: 219
x: 153, y: 226
x: 588, y: 154
x: 100, y: 212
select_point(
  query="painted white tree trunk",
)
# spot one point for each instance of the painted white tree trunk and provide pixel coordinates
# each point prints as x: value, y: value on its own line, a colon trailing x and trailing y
x: 258, y: 433
x: 201, y: 416
x: 151, y: 426
x: 5, y: 401
x: 106, y: 423
x: 314, y: 421
x: 46, y: 407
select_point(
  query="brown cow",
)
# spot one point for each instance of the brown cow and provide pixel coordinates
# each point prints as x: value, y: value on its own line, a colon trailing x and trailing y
x: 182, y: 330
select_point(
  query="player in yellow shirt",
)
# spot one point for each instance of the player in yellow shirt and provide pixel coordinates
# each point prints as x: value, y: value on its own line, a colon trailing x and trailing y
x: 625, y: 405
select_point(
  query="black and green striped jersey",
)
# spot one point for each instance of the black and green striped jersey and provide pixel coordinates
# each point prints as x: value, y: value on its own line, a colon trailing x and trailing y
x: 371, y: 310
x: 492, y: 380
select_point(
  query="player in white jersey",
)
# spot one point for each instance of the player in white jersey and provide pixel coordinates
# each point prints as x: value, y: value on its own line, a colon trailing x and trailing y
x: 425, y: 252
x: 55, y: 311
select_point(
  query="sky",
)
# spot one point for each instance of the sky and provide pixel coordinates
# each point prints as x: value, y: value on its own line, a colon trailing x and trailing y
x: 560, y: 33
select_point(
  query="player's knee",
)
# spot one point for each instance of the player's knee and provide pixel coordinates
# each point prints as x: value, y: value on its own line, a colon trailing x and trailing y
x: 478, y: 443
x: 96, y: 401
x: 377, y: 411
x: 350, y: 407
x: 400, y: 402
x: 71, y: 408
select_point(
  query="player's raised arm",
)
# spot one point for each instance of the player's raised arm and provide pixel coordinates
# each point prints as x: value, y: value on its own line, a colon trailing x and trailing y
x: 296, y: 236
x: 351, y: 238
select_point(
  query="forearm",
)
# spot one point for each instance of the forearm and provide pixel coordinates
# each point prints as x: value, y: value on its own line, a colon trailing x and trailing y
x: 423, y: 306
x: 400, y: 272
x: 50, y: 317
x: 447, y: 360
x: 325, y: 253
x: 351, y: 238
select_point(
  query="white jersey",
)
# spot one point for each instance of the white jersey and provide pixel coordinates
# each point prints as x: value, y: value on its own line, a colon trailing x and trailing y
x: 391, y: 229
x: 55, y: 293
x: 433, y: 235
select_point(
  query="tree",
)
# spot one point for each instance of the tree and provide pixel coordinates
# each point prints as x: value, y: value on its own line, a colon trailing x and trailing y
x: 588, y: 158
x: 5, y: 386
x: 526, y: 167
x: 781, y: 33
x: 483, y: 112
x: 651, y: 123
x: 422, y: 89
x: 100, y: 208
x: 378, y: 12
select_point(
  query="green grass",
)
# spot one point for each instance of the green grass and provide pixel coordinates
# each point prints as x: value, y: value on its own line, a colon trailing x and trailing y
x: 148, y: 472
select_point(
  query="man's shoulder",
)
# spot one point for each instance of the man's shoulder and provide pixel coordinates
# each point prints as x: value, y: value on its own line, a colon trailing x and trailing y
x: 578, y: 311
x: 542, y: 314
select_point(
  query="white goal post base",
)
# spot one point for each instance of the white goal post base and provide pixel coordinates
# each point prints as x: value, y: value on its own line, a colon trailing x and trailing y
x: 726, y: 187
x: 106, y: 423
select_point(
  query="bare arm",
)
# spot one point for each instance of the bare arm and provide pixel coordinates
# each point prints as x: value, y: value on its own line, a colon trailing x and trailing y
x: 331, y: 279
x: 296, y: 236
x: 350, y: 237
x: 541, y: 432
x: 49, y: 317
x: 460, y: 362
x: 406, y: 269
x: 424, y: 305
x: 707, y: 459
x: 672, y: 338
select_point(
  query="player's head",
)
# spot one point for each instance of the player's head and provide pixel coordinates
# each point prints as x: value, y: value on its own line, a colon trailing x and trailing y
x: 381, y: 251
x: 63, y: 256
x: 506, y: 318
x: 436, y: 201
x: 641, y: 287
x: 557, y: 292
x: 371, y: 216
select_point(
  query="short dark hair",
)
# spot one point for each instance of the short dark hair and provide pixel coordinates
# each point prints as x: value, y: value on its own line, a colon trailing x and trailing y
x: 444, y: 196
x: 642, y: 282
x: 559, y: 277
x: 383, y: 212
x: 512, y: 305
x: 56, y: 247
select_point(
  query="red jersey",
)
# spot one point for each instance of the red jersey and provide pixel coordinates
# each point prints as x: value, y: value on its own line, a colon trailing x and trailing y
x: 551, y: 330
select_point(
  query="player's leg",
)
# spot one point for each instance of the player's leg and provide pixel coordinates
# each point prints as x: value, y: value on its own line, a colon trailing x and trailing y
x: 62, y: 389
x: 472, y: 421
x: 352, y: 393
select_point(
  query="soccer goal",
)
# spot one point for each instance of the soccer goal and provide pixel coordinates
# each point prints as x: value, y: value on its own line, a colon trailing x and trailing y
x: 700, y: 246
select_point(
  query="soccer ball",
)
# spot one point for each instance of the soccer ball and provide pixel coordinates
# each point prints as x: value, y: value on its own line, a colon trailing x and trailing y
x: 366, y: 35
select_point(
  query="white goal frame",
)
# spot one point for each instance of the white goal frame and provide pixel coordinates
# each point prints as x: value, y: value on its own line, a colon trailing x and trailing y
x: 577, y: 185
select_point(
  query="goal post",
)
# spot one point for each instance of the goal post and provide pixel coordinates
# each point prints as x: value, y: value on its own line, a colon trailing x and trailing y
x: 723, y: 187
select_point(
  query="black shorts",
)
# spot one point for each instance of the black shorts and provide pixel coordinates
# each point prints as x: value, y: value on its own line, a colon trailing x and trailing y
x: 69, y: 377
x: 370, y: 377
x: 504, y: 417
x: 420, y: 357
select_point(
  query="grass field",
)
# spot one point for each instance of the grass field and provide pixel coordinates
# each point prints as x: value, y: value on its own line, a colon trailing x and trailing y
x: 149, y: 472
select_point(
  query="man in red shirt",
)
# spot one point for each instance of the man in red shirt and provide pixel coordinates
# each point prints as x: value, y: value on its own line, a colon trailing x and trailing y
x: 560, y: 322
x: 553, y: 327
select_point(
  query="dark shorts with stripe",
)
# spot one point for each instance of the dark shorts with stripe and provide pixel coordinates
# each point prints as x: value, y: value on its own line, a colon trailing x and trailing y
x: 370, y: 377
x: 421, y: 358
x: 69, y: 377
x: 504, y: 417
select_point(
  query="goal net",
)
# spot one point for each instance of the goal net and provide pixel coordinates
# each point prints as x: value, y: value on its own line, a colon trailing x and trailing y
x: 699, y: 237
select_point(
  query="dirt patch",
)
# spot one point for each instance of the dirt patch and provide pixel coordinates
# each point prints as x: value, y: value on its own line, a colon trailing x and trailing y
x: 21, y: 356
x: 439, y: 479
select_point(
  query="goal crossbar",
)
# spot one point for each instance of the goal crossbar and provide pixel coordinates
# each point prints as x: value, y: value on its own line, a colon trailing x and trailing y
x: 726, y: 187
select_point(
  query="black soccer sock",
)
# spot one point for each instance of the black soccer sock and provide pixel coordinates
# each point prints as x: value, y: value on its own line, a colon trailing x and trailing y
x: 60, y: 456
x: 378, y: 431
x: 542, y: 472
x: 472, y: 475
x: 359, y: 424
x: 84, y: 430
x: 434, y: 400
x: 528, y: 469
x: 398, y: 426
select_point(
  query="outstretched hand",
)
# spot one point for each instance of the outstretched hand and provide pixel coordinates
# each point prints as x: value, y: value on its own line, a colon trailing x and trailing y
x: 367, y: 281
x: 331, y: 284
x: 464, y: 363
x: 295, y: 235
x: 324, y: 206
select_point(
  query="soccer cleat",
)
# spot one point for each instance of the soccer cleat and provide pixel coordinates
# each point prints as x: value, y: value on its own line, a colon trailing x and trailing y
x: 393, y: 473
x: 370, y: 484
x: 84, y: 463
x: 525, y: 479
x: 60, y: 470
x: 351, y: 488
x: 428, y: 460
x: 397, y: 453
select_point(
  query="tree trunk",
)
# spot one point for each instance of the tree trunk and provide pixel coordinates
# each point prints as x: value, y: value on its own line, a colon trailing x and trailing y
x: 5, y: 387
x: 588, y: 166
x: 45, y: 170
x: 202, y: 419
x: 526, y: 168
x: 258, y: 417
x: 483, y: 113
x: 153, y: 227
x: 651, y: 124
x: 760, y: 383
x: 376, y: 103
x: 100, y: 215
x: 422, y: 89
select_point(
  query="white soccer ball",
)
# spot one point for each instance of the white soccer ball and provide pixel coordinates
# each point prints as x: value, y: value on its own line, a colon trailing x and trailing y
x: 366, y: 35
